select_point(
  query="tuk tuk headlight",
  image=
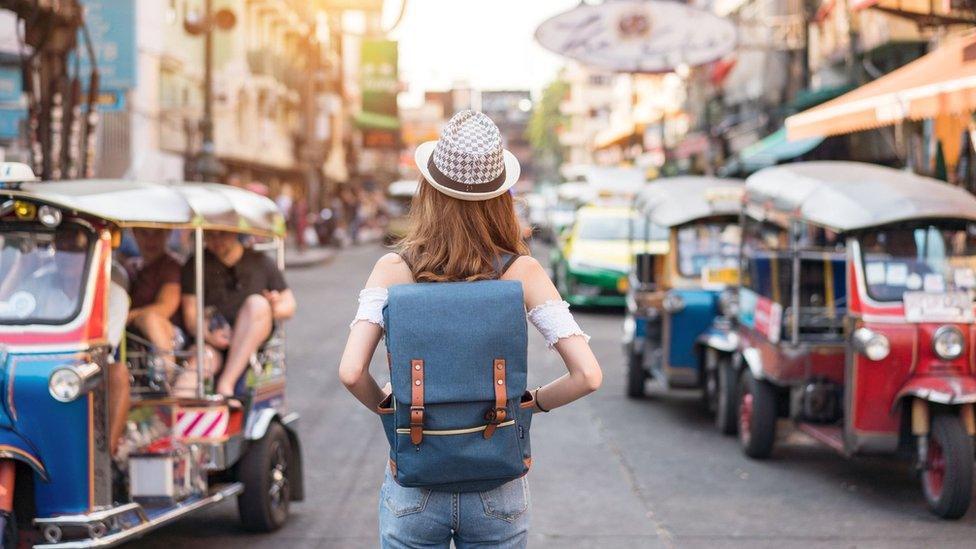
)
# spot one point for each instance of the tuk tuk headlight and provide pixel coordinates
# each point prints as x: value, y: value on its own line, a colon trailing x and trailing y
x: 948, y: 343
x: 49, y: 216
x: 673, y: 303
x: 871, y: 344
x: 70, y: 382
x: 64, y: 385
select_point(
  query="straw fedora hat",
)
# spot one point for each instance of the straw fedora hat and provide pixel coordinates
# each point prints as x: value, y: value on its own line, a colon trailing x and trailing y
x: 468, y: 161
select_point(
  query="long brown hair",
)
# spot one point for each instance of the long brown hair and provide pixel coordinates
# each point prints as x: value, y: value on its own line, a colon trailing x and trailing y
x: 452, y: 240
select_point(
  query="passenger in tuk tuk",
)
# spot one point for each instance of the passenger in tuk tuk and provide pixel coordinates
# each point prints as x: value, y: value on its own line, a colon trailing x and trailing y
x: 245, y: 295
x: 155, y: 291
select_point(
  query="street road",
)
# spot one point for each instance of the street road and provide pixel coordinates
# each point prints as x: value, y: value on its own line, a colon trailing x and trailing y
x: 607, y: 471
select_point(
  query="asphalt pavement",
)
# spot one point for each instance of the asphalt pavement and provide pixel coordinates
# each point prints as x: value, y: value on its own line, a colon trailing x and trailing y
x: 607, y: 471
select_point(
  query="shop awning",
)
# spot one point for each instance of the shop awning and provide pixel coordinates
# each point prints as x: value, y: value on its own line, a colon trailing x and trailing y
x: 609, y: 137
x: 769, y: 151
x: 940, y: 83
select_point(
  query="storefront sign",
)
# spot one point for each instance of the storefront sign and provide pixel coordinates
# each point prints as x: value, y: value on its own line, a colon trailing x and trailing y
x: 638, y: 36
x: 379, y: 83
x: 11, y: 84
x: 112, y: 26
x: 10, y: 119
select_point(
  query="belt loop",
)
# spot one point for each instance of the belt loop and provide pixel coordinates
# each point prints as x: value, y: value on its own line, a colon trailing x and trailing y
x: 497, y: 415
x: 416, y: 401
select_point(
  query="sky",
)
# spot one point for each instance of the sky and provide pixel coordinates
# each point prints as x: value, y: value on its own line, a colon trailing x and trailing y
x: 488, y: 43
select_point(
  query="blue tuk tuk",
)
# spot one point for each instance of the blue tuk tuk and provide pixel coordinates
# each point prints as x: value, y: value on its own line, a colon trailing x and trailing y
x: 675, y: 297
x: 61, y: 327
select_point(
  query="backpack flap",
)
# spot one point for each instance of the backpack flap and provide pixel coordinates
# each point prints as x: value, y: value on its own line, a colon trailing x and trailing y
x: 458, y: 330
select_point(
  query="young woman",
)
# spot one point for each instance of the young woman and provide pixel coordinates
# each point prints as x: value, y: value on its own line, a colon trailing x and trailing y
x: 462, y: 226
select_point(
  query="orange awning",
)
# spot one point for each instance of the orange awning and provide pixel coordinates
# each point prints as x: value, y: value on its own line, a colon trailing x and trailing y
x: 940, y: 83
x: 612, y: 136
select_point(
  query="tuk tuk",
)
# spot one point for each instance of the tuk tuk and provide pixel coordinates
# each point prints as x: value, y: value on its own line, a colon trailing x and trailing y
x: 59, y: 309
x: 856, y: 318
x: 674, y: 298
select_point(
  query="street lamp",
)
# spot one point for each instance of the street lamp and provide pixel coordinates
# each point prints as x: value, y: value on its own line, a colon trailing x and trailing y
x: 208, y: 167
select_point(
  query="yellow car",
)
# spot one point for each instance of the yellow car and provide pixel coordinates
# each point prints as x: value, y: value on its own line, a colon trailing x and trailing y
x: 591, y: 264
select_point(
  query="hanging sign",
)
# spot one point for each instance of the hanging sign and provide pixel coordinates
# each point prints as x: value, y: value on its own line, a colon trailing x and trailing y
x: 640, y: 36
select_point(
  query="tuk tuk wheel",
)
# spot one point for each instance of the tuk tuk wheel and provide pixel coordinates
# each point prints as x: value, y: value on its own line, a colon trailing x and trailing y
x: 636, y: 375
x: 757, y: 416
x: 947, y: 474
x: 727, y: 399
x: 263, y: 506
x: 8, y: 529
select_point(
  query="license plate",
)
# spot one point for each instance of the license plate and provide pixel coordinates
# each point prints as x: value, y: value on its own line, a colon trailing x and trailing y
x: 938, y: 307
x: 587, y: 291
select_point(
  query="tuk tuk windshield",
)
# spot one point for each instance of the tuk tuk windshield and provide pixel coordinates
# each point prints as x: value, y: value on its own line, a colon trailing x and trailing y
x: 42, y: 274
x: 926, y: 258
x: 619, y: 228
x: 708, y: 245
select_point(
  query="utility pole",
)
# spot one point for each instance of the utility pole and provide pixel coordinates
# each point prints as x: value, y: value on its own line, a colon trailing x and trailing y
x: 208, y: 167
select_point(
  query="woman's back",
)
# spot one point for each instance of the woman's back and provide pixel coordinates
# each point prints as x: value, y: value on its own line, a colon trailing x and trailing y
x: 462, y: 221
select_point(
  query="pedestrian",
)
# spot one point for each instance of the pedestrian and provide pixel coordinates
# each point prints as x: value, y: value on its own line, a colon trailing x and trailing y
x: 462, y: 225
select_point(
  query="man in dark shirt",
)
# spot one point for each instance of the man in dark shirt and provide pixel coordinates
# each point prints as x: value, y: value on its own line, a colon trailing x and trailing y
x: 246, y: 288
x: 154, y: 289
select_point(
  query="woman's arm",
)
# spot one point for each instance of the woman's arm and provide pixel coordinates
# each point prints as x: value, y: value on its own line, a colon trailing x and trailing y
x: 583, y: 371
x: 365, y: 336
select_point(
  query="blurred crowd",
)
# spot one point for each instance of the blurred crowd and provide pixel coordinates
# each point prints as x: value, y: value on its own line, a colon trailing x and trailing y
x: 351, y: 213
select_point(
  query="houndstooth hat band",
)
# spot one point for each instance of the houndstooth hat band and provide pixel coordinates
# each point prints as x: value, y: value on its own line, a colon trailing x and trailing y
x: 468, y: 160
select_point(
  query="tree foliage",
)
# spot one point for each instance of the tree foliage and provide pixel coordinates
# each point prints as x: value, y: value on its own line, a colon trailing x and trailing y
x: 544, y: 128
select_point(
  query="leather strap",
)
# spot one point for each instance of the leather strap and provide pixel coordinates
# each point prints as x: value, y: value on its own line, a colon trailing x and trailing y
x: 416, y: 401
x: 497, y: 415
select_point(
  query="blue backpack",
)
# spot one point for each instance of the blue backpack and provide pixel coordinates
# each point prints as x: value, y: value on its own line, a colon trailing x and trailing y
x: 458, y: 418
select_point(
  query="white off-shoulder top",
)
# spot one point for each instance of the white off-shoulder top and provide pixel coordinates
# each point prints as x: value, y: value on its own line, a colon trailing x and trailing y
x: 552, y: 318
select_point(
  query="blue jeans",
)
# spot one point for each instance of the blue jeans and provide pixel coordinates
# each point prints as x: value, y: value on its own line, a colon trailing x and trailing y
x: 415, y: 517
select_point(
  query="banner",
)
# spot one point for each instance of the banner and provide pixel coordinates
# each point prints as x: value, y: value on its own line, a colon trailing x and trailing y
x: 112, y: 26
x: 379, y: 82
x: 638, y: 36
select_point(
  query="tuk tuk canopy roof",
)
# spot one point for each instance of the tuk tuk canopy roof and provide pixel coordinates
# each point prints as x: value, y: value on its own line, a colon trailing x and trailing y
x: 212, y: 206
x: 847, y: 196
x: 677, y: 200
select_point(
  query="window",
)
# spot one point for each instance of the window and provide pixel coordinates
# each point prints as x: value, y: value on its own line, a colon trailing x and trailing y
x: 42, y: 274
x: 707, y: 245
x: 926, y: 257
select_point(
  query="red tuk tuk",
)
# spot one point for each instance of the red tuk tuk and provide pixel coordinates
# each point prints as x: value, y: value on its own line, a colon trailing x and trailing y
x: 856, y: 318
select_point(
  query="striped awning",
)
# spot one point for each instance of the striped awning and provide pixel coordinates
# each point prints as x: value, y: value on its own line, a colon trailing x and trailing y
x: 940, y: 83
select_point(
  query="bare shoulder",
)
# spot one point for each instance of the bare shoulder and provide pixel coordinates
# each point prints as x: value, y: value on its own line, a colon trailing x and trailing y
x: 536, y: 285
x: 389, y: 270
x: 525, y: 268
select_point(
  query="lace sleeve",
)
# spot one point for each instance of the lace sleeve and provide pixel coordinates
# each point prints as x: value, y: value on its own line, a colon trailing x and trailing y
x: 555, y: 322
x: 371, y: 303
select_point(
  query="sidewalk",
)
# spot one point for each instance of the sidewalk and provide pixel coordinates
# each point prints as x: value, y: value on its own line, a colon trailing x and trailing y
x: 309, y: 257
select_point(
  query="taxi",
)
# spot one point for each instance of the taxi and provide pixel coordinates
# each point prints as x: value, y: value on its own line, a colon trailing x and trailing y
x: 591, y: 264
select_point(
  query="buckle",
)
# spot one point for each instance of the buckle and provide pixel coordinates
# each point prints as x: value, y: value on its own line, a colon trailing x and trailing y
x: 496, y: 415
x: 419, y: 418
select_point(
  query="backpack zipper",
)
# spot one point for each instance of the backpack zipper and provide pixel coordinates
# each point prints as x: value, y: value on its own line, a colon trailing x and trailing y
x: 444, y: 432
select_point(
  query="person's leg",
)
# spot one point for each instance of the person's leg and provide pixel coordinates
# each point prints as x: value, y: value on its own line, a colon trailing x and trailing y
x: 251, y: 328
x: 159, y: 331
x: 412, y: 517
x: 185, y: 385
x: 118, y: 402
x: 496, y: 518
